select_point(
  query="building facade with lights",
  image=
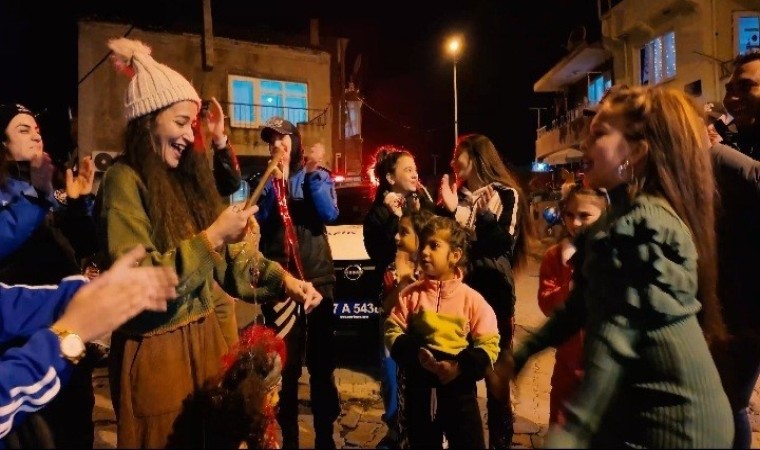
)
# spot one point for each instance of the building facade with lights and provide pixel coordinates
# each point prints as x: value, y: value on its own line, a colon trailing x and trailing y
x: 253, y: 81
x: 686, y: 44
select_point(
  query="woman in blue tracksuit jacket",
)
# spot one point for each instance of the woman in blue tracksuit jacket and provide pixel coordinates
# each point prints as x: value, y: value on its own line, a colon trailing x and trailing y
x: 307, y: 195
x: 31, y: 375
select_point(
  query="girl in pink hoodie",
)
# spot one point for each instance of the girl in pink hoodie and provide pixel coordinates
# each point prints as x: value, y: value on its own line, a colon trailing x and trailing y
x: 444, y: 335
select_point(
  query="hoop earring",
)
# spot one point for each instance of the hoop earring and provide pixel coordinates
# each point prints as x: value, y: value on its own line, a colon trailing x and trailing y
x: 626, y: 166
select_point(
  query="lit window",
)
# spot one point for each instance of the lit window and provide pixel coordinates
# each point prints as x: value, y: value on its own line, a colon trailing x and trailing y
x: 658, y: 59
x: 254, y: 100
x: 748, y: 33
x: 597, y: 87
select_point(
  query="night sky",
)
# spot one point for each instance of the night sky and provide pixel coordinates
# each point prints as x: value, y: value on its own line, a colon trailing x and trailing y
x: 405, y: 75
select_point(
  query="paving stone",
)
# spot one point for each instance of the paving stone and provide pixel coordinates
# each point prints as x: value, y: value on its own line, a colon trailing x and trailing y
x: 537, y: 440
x: 373, y: 415
x: 105, y: 436
x: 525, y: 426
x: 521, y: 441
x: 754, y: 421
x: 351, y: 419
x: 362, y: 435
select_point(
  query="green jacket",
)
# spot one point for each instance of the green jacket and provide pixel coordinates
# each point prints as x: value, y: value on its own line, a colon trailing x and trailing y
x: 205, y: 275
x: 649, y: 379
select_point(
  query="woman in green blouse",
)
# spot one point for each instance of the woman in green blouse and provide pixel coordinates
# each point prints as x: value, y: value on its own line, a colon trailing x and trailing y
x: 645, y: 288
x: 161, y: 195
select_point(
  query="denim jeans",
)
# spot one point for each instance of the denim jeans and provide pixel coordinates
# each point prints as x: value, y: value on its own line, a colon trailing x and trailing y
x: 389, y: 389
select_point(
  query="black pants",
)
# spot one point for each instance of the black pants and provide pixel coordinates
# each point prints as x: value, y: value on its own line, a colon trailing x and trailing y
x: 500, y: 414
x: 312, y: 338
x: 739, y: 365
x: 457, y: 415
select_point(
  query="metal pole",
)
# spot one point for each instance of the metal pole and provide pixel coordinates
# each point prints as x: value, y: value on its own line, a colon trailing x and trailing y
x: 456, y: 112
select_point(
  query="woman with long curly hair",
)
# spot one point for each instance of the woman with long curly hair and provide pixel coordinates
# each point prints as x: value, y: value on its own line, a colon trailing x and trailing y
x: 161, y: 194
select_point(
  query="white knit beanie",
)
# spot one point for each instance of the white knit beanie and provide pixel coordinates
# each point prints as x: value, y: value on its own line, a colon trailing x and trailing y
x: 153, y: 85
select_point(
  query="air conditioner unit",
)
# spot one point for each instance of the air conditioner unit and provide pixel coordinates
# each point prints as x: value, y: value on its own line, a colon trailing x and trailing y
x: 104, y: 159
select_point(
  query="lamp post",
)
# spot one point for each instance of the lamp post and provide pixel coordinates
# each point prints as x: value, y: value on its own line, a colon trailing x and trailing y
x: 454, y: 48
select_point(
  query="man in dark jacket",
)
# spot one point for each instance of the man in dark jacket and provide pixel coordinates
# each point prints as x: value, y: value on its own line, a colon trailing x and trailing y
x: 742, y: 101
x: 738, y: 221
x: 294, y: 207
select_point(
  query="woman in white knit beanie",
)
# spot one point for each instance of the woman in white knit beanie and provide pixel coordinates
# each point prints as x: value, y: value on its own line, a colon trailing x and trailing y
x: 161, y: 194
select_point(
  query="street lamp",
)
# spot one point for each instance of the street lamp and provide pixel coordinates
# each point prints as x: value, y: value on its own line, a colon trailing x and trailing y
x: 454, y: 49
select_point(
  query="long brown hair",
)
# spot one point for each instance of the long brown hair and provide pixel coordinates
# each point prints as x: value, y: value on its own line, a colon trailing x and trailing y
x: 677, y: 168
x: 181, y: 202
x: 489, y: 166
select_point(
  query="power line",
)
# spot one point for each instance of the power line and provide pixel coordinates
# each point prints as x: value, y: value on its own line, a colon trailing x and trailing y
x: 396, y: 122
x: 103, y: 59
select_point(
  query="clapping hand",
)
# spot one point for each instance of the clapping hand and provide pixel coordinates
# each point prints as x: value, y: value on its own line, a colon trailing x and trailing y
x: 481, y: 204
x: 315, y: 156
x: 394, y: 202
x: 446, y: 370
x: 448, y: 193
x: 117, y: 295
x: 404, y: 266
x: 215, y: 120
x: 81, y: 184
x: 42, y: 172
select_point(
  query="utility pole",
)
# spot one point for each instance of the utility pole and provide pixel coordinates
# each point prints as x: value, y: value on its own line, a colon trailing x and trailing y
x: 208, y: 37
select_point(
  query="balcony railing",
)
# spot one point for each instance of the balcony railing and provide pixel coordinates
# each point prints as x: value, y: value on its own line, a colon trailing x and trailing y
x: 253, y: 115
x: 569, y: 117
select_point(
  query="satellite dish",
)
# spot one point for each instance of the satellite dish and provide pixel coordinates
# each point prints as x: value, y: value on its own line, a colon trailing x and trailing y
x: 576, y: 38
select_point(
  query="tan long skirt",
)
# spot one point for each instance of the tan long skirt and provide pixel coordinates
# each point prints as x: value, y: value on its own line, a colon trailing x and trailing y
x: 151, y: 377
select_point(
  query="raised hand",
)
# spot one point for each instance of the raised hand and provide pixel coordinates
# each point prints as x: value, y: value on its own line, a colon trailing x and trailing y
x: 448, y: 193
x: 315, y: 156
x: 81, y: 184
x: 215, y: 120
x: 482, y: 202
x: 302, y: 291
x: 394, y: 202
x: 404, y: 266
x: 42, y: 172
x: 117, y: 295
x: 231, y: 225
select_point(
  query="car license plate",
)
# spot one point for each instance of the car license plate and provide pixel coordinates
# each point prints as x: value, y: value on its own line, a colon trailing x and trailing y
x: 355, y: 310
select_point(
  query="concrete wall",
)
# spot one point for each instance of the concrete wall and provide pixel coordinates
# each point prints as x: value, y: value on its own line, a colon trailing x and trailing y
x: 701, y: 26
x: 101, y: 95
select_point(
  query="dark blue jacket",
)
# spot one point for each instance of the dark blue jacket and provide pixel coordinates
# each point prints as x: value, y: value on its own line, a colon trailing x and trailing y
x: 21, y: 212
x: 31, y: 375
x: 312, y: 203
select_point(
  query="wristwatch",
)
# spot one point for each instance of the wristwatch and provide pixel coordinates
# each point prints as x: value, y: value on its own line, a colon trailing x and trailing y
x: 72, y: 346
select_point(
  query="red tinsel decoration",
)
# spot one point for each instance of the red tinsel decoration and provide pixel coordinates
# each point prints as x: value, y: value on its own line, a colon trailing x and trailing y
x: 256, y: 335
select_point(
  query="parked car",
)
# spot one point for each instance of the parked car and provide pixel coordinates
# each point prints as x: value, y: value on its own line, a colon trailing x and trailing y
x: 357, y: 313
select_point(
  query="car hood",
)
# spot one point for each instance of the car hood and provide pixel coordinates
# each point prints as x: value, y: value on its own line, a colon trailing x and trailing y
x: 347, y: 242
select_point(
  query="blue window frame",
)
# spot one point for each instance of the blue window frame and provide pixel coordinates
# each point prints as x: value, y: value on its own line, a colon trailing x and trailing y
x: 597, y: 87
x: 658, y: 59
x: 254, y: 100
x: 747, y: 32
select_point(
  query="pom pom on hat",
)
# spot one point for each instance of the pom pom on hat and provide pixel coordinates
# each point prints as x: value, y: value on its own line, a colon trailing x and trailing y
x: 152, y: 85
